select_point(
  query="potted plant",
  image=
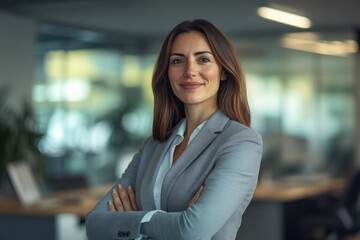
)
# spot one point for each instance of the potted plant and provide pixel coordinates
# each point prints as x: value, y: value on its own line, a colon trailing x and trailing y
x: 18, y: 137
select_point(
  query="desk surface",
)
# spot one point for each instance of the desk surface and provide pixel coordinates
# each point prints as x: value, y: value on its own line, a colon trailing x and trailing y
x: 77, y: 201
x: 285, y: 192
x: 81, y: 201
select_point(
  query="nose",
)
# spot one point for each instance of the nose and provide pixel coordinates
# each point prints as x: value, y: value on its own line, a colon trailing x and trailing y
x: 190, y: 70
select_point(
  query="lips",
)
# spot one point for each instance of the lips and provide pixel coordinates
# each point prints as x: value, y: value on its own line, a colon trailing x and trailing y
x: 191, y: 85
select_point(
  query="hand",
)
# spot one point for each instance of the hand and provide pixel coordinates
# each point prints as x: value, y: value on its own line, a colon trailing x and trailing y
x: 196, y: 196
x: 122, y: 200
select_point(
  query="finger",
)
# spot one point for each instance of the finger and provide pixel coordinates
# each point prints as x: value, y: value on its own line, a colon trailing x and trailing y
x: 201, y: 190
x: 196, y: 196
x: 132, y: 196
x: 124, y: 197
x: 111, y: 206
x: 116, y: 200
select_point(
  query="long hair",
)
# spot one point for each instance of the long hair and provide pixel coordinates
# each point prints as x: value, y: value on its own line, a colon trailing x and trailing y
x: 232, y: 95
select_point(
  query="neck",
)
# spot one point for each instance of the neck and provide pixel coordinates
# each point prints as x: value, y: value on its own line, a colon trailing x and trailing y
x: 195, y: 116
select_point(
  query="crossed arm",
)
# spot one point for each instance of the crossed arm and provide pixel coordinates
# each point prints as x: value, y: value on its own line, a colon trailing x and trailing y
x: 125, y: 200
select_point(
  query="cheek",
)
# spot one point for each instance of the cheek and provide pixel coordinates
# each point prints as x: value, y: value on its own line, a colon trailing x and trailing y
x: 174, y: 74
x: 172, y: 80
x: 213, y: 78
x: 212, y: 73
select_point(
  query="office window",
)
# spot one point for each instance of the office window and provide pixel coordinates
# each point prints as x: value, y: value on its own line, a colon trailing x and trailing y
x: 94, y: 102
x: 303, y: 103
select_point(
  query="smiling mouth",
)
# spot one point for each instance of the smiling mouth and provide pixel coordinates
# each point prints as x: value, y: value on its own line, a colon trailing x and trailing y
x: 191, y: 85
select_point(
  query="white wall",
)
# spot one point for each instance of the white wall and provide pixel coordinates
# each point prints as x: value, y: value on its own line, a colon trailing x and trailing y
x: 17, y: 56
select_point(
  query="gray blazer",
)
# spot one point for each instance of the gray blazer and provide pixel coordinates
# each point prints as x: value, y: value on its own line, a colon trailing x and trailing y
x: 224, y: 157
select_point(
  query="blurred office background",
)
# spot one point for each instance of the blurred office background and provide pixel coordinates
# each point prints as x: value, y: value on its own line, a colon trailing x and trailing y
x: 85, y: 67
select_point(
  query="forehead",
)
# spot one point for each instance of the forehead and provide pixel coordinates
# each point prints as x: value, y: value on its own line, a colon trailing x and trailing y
x: 190, y: 41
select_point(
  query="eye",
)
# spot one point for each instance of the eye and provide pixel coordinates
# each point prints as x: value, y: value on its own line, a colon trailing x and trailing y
x: 203, y: 60
x: 176, y: 61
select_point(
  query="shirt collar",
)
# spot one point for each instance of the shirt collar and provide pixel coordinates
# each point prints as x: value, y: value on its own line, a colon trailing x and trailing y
x: 181, y: 130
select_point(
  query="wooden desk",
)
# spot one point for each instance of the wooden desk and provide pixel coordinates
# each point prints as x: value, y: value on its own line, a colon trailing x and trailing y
x: 276, y: 207
x: 284, y: 192
x: 78, y: 201
x: 58, y: 216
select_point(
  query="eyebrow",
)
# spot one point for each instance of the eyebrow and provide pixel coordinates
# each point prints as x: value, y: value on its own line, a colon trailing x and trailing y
x: 196, y: 53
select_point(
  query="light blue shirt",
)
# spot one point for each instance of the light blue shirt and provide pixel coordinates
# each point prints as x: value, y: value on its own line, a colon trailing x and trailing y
x: 166, y: 165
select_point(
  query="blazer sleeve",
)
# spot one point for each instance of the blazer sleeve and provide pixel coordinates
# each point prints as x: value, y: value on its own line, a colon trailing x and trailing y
x: 102, y: 224
x: 228, y: 188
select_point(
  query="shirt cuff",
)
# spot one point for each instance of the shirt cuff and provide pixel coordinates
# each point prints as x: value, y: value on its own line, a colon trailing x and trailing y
x: 146, y: 218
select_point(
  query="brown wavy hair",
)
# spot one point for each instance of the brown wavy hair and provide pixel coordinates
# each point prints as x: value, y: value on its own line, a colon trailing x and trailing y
x: 232, y: 96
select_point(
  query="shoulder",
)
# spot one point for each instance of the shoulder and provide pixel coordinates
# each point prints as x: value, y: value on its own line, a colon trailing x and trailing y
x: 238, y: 145
x: 237, y: 130
x: 228, y: 130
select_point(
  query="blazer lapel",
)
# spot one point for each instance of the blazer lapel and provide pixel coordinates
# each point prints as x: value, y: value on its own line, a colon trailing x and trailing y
x: 207, y: 134
x: 148, y: 180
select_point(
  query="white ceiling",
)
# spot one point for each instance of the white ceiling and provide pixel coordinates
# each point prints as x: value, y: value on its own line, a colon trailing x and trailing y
x: 155, y: 18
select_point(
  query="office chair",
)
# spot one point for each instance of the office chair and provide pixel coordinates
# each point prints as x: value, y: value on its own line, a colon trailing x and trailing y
x: 339, y: 220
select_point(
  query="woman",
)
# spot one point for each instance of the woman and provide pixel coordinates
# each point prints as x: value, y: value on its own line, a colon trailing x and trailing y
x: 195, y: 176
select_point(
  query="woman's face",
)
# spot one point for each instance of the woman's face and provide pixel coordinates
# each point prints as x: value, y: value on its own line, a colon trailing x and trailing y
x: 193, y: 70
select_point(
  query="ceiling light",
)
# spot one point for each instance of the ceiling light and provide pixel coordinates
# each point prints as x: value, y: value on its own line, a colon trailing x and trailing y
x: 284, y: 17
x: 308, y: 43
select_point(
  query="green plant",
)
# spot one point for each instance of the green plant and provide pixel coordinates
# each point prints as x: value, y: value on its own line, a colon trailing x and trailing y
x: 18, y: 137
